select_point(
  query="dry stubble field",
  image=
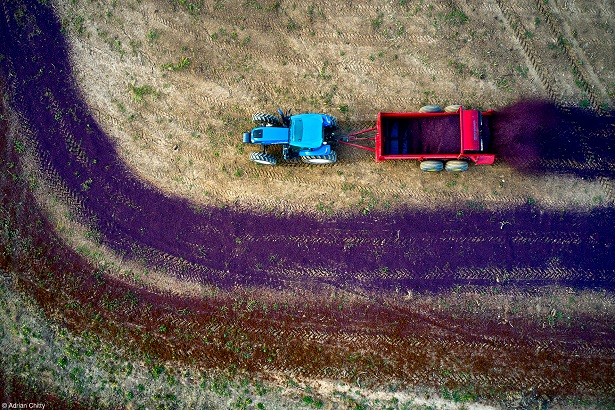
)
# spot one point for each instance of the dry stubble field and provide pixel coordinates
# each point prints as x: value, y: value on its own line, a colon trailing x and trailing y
x: 147, y: 263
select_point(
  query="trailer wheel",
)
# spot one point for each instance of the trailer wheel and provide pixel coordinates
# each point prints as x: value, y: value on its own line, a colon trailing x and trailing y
x: 452, y: 108
x: 321, y: 159
x: 266, y: 120
x: 431, y: 165
x: 261, y: 158
x: 430, y: 108
x: 456, y: 166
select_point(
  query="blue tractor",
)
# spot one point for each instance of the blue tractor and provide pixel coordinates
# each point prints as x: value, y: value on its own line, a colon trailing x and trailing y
x: 303, y: 137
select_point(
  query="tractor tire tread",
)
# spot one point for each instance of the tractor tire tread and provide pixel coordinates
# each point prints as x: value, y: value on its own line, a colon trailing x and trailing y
x: 262, y: 158
x: 266, y: 119
x: 320, y: 159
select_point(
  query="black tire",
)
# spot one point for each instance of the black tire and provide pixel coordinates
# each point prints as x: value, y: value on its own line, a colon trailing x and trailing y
x: 456, y: 166
x: 431, y: 165
x: 264, y: 159
x: 334, y: 123
x: 321, y: 159
x: 430, y: 108
x: 266, y: 120
x: 452, y: 108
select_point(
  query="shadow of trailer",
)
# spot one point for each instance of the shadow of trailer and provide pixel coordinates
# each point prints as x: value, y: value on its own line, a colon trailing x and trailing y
x: 438, y: 139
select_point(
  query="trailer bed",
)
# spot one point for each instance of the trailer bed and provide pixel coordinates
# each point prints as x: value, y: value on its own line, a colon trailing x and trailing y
x: 412, y: 135
x: 440, y: 136
x: 464, y: 134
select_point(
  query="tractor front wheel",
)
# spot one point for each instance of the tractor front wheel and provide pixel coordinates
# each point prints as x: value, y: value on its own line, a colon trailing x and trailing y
x: 333, y: 125
x: 321, y: 159
x: 262, y: 158
x: 265, y: 120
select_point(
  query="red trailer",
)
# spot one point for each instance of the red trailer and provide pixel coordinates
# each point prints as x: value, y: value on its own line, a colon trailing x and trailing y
x: 433, y: 136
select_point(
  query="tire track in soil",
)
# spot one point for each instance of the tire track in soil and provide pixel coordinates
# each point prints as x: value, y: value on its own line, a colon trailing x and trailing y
x: 505, y: 348
x: 414, y: 344
x: 610, y: 12
x: 581, y: 67
x: 462, y: 275
x: 180, y: 28
x: 514, y: 25
x: 581, y: 71
x: 379, y: 191
x: 351, y: 155
x: 354, y: 65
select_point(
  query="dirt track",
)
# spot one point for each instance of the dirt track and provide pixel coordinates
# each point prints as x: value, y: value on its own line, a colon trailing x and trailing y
x: 422, y: 279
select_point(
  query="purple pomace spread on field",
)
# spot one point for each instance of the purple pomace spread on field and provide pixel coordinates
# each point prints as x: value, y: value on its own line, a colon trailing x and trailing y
x: 419, y: 249
x: 536, y: 136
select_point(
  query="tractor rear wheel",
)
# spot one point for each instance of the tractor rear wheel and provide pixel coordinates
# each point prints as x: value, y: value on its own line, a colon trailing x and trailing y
x: 456, y: 166
x: 266, y: 120
x: 430, y: 108
x: 321, y: 159
x: 261, y: 158
x: 452, y: 108
x: 431, y: 166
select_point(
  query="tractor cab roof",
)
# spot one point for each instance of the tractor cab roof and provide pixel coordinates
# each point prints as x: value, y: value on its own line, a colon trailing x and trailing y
x: 306, y: 131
